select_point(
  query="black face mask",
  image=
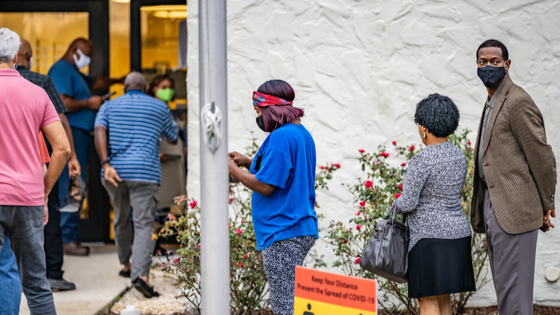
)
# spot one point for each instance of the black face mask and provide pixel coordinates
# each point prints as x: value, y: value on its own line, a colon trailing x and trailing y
x: 491, y: 76
x: 260, y: 123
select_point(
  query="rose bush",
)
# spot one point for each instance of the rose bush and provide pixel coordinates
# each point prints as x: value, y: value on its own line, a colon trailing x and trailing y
x: 248, y: 284
x: 373, y: 196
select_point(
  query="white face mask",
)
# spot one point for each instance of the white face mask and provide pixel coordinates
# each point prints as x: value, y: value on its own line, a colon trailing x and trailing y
x: 30, y: 62
x: 83, y: 61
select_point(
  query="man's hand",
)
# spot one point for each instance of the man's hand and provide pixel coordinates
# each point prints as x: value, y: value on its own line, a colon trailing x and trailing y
x: 95, y: 102
x: 46, y: 213
x: 546, y: 220
x: 240, y: 159
x: 74, y: 168
x: 110, y: 175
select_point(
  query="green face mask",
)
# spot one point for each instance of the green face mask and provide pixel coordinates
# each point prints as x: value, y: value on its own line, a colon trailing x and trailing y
x: 165, y: 94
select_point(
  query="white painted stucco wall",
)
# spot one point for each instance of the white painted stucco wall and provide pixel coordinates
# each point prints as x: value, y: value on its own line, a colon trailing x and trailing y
x: 359, y: 67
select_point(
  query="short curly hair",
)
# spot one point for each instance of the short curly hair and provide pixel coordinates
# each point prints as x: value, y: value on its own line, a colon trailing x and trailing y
x: 438, y: 114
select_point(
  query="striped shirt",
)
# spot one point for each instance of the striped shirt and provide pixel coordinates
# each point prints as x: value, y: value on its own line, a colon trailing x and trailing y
x: 135, y: 123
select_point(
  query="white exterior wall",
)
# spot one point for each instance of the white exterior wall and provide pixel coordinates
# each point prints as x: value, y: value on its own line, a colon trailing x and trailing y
x: 359, y: 68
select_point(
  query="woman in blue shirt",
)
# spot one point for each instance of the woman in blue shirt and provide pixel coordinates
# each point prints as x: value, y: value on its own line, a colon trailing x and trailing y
x: 282, y: 177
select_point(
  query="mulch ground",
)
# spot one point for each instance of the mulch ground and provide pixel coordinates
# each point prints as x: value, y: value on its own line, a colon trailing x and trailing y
x: 493, y: 310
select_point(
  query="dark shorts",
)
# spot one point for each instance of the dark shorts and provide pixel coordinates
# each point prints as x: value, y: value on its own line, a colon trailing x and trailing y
x: 439, y: 266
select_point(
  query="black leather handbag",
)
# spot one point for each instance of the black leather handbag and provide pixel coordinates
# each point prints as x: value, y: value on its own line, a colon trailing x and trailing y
x: 386, y: 253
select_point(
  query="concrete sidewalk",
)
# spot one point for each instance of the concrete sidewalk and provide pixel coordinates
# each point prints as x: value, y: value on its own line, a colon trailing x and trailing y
x: 97, y: 280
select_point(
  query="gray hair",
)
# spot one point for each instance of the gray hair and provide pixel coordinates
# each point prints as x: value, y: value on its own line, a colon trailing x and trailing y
x: 135, y: 81
x: 9, y: 45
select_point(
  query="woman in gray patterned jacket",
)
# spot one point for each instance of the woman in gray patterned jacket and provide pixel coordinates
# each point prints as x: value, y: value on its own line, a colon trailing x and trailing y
x: 439, y: 255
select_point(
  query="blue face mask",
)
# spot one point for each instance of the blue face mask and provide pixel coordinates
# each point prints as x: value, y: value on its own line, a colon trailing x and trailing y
x: 491, y: 76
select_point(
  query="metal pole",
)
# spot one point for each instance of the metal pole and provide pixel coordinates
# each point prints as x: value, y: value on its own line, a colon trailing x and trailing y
x: 214, y: 178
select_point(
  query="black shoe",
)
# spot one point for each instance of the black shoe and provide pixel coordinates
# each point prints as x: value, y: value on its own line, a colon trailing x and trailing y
x: 144, y: 288
x: 125, y: 274
x: 58, y: 285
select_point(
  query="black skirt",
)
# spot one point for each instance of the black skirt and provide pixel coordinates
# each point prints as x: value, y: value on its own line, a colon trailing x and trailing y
x: 440, y: 266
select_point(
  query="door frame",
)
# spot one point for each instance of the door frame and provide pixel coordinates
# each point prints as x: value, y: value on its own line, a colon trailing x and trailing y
x: 135, y: 31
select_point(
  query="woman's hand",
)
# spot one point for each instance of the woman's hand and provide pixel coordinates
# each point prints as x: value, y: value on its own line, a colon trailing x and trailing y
x: 240, y: 159
x: 232, y: 166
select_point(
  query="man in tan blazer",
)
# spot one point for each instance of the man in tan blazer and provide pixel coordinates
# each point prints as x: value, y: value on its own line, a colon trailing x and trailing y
x: 514, y: 181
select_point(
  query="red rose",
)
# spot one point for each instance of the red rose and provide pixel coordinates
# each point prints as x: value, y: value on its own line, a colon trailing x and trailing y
x: 358, y: 213
x: 240, y: 264
x: 411, y: 148
x: 384, y: 154
x: 394, y: 142
x: 397, y: 195
x: 322, y: 167
x: 357, y: 261
x: 238, y: 231
x: 362, y: 203
x: 400, y: 186
x: 403, y: 165
x: 245, y: 256
x: 469, y: 143
x: 198, y: 245
x: 358, y: 227
x: 336, y: 165
x: 230, y: 200
x: 193, y: 204
x: 361, y: 150
x: 176, y: 261
x: 368, y: 184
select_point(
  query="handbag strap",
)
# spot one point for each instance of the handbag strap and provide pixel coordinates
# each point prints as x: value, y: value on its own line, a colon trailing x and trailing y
x: 393, y: 210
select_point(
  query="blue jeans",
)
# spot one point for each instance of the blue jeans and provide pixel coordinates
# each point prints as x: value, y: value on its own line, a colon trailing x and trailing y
x: 10, y: 288
x: 24, y: 226
x: 69, y: 222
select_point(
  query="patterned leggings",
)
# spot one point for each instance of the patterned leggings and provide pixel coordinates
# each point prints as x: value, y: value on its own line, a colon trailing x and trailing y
x: 280, y: 261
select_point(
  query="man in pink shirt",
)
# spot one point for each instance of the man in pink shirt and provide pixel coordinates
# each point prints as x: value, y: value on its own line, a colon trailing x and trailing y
x: 25, y: 110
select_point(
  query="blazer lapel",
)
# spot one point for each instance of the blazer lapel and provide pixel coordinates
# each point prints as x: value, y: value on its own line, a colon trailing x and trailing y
x: 495, y: 111
x: 478, y: 136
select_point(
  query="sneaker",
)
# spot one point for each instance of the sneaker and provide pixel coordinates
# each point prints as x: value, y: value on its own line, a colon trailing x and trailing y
x: 125, y: 274
x: 144, y: 288
x: 58, y: 285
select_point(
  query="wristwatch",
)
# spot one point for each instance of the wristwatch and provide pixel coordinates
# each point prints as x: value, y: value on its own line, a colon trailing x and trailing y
x: 104, y: 162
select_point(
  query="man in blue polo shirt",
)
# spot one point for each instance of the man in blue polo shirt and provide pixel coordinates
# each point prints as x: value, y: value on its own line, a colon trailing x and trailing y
x: 74, y: 88
x: 132, y: 173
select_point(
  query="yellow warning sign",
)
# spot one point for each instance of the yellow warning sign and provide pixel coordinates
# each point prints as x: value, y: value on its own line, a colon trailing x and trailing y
x: 325, y: 293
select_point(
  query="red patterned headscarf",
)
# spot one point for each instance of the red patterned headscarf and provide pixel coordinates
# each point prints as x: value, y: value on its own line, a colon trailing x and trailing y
x: 263, y: 100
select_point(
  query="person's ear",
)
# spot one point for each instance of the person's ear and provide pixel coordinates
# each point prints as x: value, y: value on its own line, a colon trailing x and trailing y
x: 507, y: 64
x: 15, y: 58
